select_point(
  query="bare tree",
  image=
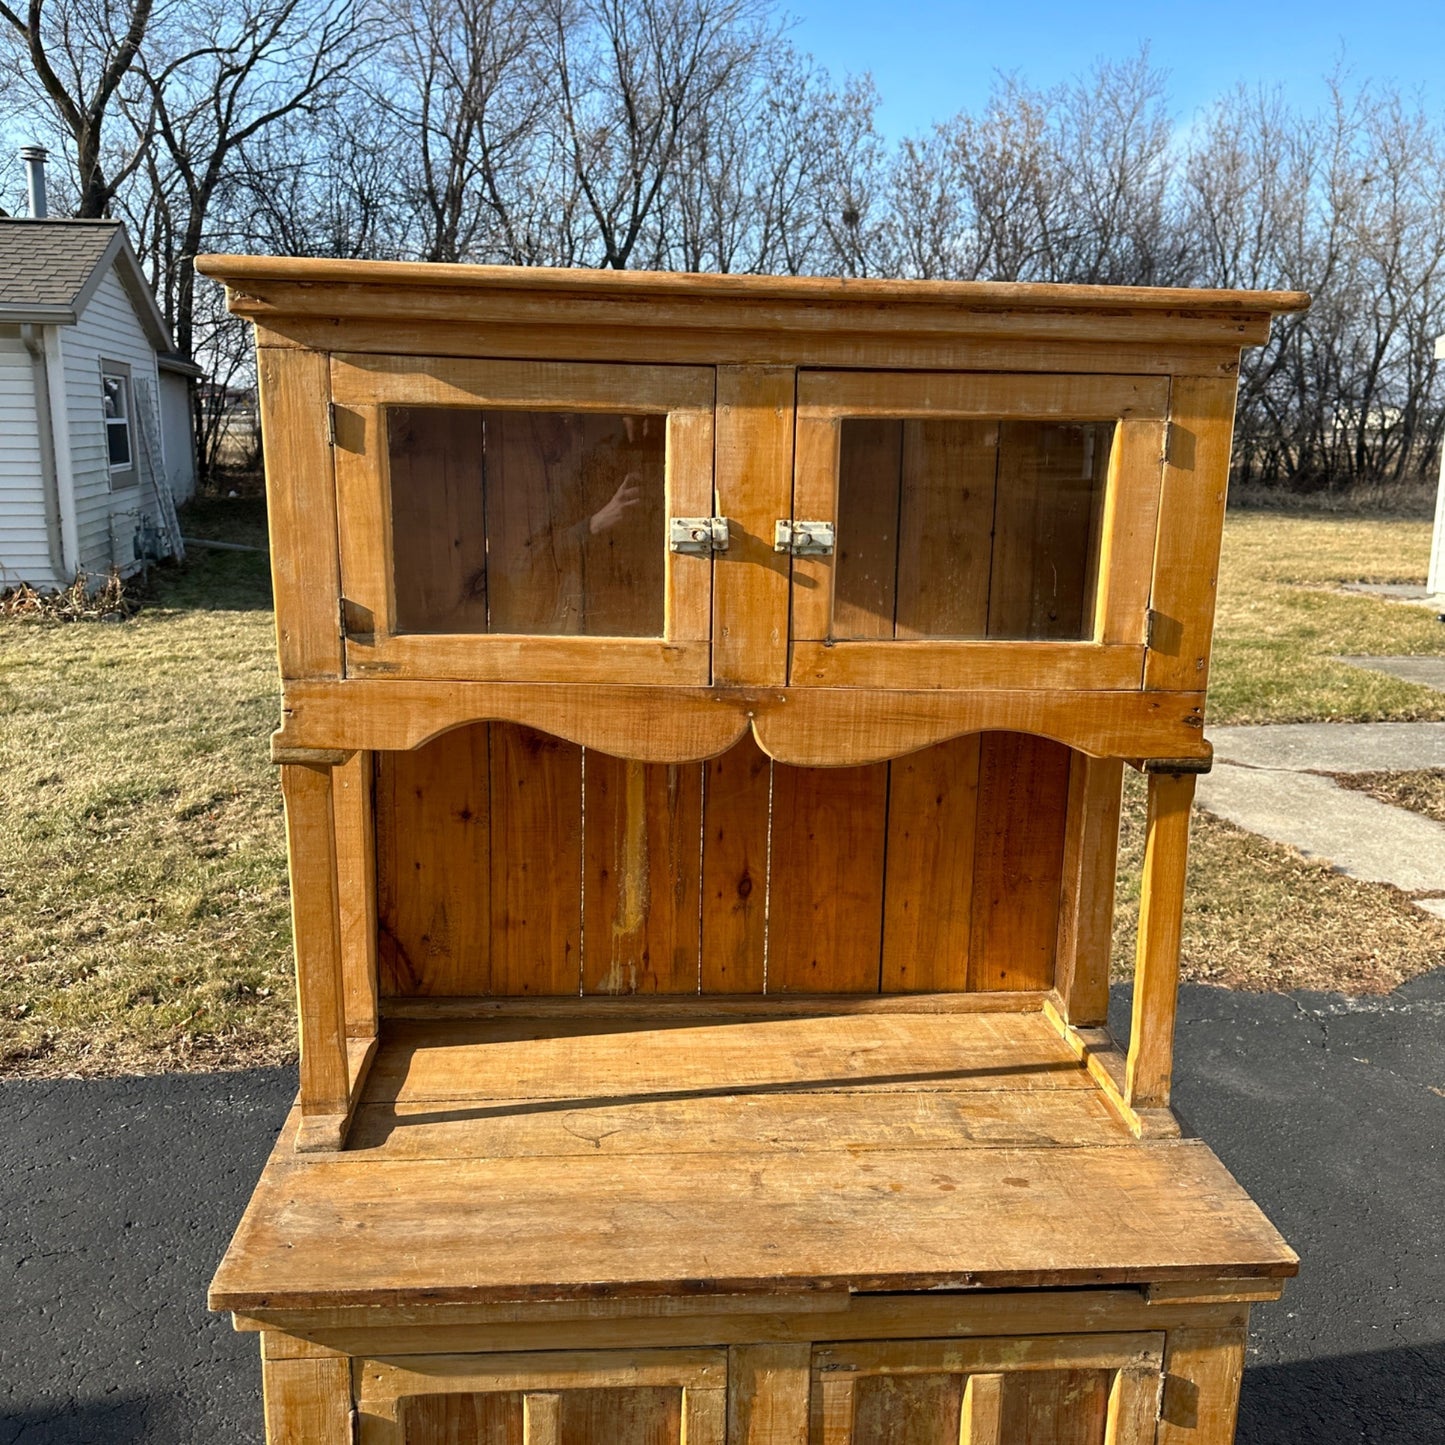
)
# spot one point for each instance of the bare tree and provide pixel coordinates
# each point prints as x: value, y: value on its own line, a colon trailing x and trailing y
x: 630, y: 78
x: 77, y: 54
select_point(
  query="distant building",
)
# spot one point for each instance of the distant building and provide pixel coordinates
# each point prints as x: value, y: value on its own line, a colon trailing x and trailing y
x: 96, y: 436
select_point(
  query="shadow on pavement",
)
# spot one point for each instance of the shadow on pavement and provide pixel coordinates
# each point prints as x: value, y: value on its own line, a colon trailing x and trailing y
x: 1388, y: 1397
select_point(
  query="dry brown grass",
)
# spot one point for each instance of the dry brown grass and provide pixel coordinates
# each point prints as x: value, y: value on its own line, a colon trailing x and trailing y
x: 1421, y: 791
x: 143, y: 904
x: 143, y: 908
x: 1260, y: 917
x: 1282, y: 620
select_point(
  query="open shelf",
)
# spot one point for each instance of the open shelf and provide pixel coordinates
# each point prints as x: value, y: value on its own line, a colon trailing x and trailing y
x: 541, y: 1156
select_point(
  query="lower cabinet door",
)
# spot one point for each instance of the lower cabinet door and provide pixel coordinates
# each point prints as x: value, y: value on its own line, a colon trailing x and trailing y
x: 1039, y: 1390
x: 662, y: 1397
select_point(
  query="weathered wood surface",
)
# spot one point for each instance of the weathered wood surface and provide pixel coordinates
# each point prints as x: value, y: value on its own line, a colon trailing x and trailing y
x: 805, y: 726
x: 366, y: 1226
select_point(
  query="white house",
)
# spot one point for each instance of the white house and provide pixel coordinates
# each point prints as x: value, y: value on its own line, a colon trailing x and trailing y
x: 96, y: 442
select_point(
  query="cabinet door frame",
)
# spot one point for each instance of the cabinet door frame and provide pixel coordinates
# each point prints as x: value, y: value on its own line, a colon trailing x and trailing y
x: 384, y: 1383
x: 363, y: 386
x: 1135, y: 1360
x: 1113, y: 658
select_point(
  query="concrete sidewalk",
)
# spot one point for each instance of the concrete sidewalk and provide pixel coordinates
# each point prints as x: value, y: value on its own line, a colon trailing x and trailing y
x: 118, y: 1197
x: 1272, y: 781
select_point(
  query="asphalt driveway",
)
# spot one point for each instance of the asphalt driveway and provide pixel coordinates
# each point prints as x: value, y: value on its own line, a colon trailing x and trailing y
x: 117, y: 1197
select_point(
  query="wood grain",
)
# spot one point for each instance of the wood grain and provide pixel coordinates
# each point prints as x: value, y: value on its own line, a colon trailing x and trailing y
x: 754, y: 467
x: 435, y: 855
x: 929, y: 881
x: 536, y: 863
x: 1018, y: 861
x: 1156, y: 963
x: 826, y: 887
x: 316, y: 937
x: 1191, y: 519
x: 768, y: 1394
x: 735, y: 869
x: 353, y: 786
x: 642, y: 877
x: 808, y: 726
x: 1086, y: 898
x: 293, y: 387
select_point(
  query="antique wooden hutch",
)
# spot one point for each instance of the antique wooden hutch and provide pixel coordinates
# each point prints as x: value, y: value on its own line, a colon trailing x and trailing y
x: 706, y: 706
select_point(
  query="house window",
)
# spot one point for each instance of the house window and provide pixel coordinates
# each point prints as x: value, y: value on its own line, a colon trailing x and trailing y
x: 119, y: 434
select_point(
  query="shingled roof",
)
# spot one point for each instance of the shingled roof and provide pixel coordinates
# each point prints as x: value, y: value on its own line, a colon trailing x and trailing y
x: 49, y: 268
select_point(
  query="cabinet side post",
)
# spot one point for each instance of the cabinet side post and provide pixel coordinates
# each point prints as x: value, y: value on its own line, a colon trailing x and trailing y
x: 1191, y: 524
x: 295, y: 393
x: 1086, y: 899
x: 1156, y: 964
x: 356, y: 873
x: 316, y: 933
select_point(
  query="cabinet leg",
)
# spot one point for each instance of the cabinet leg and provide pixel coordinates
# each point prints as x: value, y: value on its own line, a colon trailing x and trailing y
x: 768, y: 1389
x: 316, y: 932
x: 307, y: 1402
x: 1202, y: 1374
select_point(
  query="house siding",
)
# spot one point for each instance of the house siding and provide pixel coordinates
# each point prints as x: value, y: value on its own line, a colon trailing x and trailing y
x: 109, y: 330
x: 176, y: 428
x: 24, y: 544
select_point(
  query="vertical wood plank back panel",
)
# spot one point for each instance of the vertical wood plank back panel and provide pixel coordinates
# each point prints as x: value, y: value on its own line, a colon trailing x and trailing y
x: 536, y: 862
x: 1086, y: 905
x: 435, y: 866
x: 945, y: 541
x: 438, y: 518
x: 928, y: 884
x: 641, y: 878
x: 735, y: 869
x: 1018, y: 861
x: 865, y: 567
x: 825, y: 909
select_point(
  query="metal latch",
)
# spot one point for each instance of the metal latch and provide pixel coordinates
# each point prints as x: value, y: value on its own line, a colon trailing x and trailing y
x: 803, y: 539
x: 699, y: 536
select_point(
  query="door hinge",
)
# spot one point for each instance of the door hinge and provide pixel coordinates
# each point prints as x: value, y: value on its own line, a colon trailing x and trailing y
x: 698, y: 536
x: 803, y: 539
x: 331, y: 423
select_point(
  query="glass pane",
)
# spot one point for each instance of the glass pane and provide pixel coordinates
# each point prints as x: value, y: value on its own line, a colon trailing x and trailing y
x: 969, y: 529
x: 117, y: 437
x: 535, y: 522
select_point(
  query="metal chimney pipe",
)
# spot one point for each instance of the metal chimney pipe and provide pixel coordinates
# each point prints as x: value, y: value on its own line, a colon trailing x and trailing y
x: 35, y: 158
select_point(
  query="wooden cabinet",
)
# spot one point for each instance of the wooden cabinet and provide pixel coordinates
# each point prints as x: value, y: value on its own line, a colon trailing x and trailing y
x: 705, y: 709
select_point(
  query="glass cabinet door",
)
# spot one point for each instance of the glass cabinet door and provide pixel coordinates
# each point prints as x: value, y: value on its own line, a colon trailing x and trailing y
x: 513, y: 520
x: 986, y: 531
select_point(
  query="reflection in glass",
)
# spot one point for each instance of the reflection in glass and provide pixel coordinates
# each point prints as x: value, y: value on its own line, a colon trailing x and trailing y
x: 969, y: 529
x: 532, y: 522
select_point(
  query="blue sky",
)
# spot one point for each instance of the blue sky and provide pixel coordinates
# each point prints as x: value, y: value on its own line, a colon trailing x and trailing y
x: 931, y: 59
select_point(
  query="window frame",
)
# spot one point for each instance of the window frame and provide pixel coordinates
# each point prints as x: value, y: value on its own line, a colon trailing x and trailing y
x: 119, y: 476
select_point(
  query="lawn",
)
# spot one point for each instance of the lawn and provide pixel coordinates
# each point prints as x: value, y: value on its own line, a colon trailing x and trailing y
x: 1281, y: 620
x: 143, y: 906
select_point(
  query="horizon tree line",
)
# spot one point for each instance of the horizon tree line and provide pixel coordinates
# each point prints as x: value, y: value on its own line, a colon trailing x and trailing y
x: 693, y: 135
